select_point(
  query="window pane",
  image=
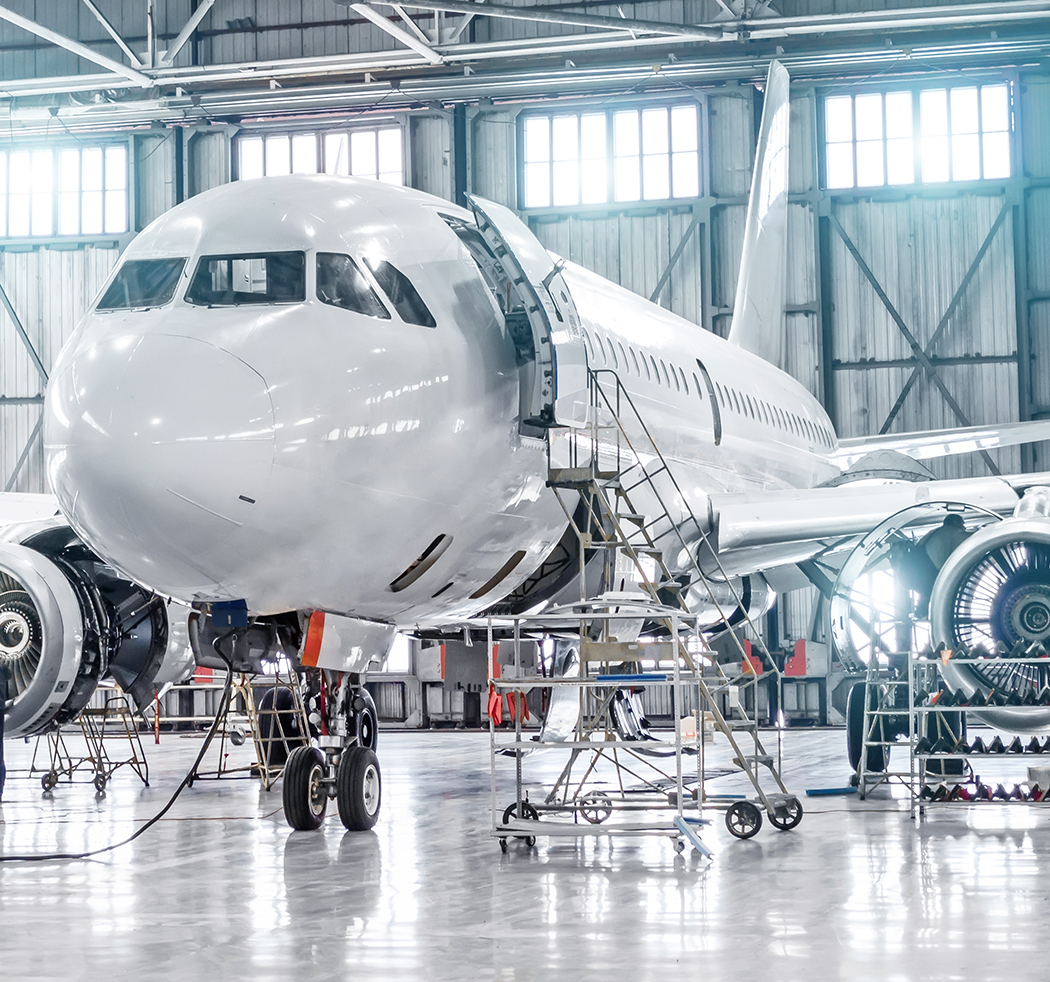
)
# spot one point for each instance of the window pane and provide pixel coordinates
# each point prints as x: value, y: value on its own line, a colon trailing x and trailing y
x: 363, y: 153
x: 566, y: 182
x: 685, y: 174
x: 869, y: 117
x: 21, y: 172
x: 408, y: 304
x: 69, y: 170
x: 18, y: 219
x: 304, y: 153
x: 683, y: 128
x: 336, y: 154
x: 656, y: 179
x: 565, y: 138
x: 964, y: 110
x: 935, y: 158
x: 625, y: 133
x: 143, y: 283
x: 900, y: 161
x: 933, y: 112
x: 68, y: 213
x: 278, y: 156
x: 537, y: 138
x: 251, y: 158
x: 898, y: 114
x: 116, y: 211
x: 116, y: 168
x: 594, y: 178
x: 840, y: 165
x: 341, y: 284
x: 275, y: 277
x: 537, y: 185
x: 966, y: 158
x: 3, y: 194
x: 654, y: 131
x: 628, y: 179
x: 997, y: 155
x: 995, y: 108
x: 389, y: 140
x: 91, y: 212
x: 592, y: 136
x: 869, y: 162
x: 42, y: 218
x: 43, y: 173
x: 838, y: 119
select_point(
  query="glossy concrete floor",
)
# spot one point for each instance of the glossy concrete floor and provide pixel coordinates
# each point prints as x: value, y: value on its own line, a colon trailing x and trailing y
x: 221, y: 889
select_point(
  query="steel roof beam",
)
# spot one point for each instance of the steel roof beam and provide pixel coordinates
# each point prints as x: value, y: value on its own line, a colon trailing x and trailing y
x: 111, y: 31
x: 400, y: 34
x: 82, y: 50
x: 186, y: 33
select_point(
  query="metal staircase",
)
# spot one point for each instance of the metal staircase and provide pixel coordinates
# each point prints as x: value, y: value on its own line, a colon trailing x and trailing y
x: 615, y: 463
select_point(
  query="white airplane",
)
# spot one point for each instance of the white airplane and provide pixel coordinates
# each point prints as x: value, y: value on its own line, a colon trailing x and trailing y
x: 323, y: 410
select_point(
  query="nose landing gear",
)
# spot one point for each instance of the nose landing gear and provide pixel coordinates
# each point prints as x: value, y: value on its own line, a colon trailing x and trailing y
x: 343, y: 767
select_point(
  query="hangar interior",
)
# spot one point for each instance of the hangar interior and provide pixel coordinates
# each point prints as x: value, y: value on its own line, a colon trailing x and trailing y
x: 918, y: 298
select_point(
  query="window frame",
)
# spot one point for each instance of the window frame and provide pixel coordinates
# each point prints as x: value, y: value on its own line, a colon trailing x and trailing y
x: 319, y: 133
x: 885, y: 87
x: 72, y: 239
x: 639, y: 103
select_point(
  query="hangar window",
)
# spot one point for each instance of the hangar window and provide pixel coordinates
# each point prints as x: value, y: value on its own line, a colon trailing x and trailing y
x: 915, y: 136
x: 341, y: 284
x: 373, y: 152
x: 142, y: 283
x: 408, y: 304
x: 611, y: 155
x: 75, y: 191
x: 265, y: 277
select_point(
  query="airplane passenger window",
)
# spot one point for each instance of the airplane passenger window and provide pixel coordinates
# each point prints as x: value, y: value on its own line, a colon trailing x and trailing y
x: 656, y: 371
x: 408, y: 304
x: 634, y: 358
x: 623, y: 356
x: 696, y: 385
x: 142, y: 283
x: 736, y: 400
x: 685, y: 383
x: 721, y: 395
x: 590, y: 343
x: 262, y: 277
x: 645, y: 365
x: 612, y: 353
x: 750, y: 407
x: 341, y: 284
x: 667, y: 378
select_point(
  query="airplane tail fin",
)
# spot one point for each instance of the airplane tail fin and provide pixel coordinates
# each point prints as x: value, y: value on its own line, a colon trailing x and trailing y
x: 758, y: 311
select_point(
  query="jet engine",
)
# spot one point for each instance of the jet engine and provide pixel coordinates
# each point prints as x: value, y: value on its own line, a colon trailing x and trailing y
x: 994, y: 592
x: 67, y: 620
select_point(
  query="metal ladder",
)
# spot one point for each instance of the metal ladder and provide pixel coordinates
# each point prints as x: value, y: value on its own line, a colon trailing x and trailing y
x: 613, y: 523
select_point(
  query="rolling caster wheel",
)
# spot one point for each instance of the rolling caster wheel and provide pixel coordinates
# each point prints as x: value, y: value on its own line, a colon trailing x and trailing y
x: 743, y: 819
x: 679, y: 846
x: 100, y: 783
x: 793, y: 817
x: 503, y: 845
x: 530, y: 841
x: 596, y: 808
x: 49, y: 780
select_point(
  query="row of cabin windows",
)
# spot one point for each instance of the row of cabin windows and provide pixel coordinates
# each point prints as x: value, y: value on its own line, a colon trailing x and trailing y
x: 615, y: 355
x: 773, y: 415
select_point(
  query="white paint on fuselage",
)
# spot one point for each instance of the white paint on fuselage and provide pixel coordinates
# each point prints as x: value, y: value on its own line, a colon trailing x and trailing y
x: 358, y: 440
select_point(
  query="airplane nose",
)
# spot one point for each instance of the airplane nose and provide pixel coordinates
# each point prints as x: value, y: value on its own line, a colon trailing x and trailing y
x: 158, y: 448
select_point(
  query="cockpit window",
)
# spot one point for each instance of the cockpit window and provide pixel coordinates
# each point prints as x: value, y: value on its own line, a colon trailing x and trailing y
x: 341, y: 284
x: 142, y: 283
x: 262, y: 277
x: 408, y: 304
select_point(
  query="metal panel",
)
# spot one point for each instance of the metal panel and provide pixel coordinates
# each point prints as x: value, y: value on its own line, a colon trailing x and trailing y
x: 154, y: 182
x: 50, y: 291
x: 493, y: 161
x: 732, y: 143
x: 209, y: 160
x: 1035, y: 134
x: 430, y: 146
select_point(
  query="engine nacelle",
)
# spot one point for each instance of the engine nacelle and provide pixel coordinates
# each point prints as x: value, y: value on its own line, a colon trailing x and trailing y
x: 994, y: 590
x: 730, y: 601
x: 67, y: 620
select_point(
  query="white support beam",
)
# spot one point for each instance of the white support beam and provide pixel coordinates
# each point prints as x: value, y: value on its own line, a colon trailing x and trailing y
x: 190, y: 26
x: 400, y: 34
x: 82, y: 50
x: 111, y: 31
x: 410, y: 24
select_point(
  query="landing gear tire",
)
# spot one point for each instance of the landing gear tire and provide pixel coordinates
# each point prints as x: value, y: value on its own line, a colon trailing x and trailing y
x: 794, y: 816
x: 305, y: 795
x: 278, y: 725
x: 743, y: 819
x: 358, y: 788
x: 878, y: 757
x: 367, y: 717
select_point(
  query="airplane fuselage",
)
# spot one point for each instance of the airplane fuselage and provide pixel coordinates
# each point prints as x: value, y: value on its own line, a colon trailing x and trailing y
x: 301, y: 455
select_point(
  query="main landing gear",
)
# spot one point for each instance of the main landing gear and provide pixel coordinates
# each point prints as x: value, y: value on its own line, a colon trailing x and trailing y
x: 344, y: 766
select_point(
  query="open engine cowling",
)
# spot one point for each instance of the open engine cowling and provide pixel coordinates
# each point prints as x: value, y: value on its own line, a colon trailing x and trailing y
x: 994, y: 592
x: 67, y: 620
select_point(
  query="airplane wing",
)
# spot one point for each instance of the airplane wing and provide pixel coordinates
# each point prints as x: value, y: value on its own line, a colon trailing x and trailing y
x: 767, y: 520
x: 927, y: 444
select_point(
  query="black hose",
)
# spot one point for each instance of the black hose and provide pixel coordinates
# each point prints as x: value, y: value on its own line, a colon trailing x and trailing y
x: 190, y: 775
